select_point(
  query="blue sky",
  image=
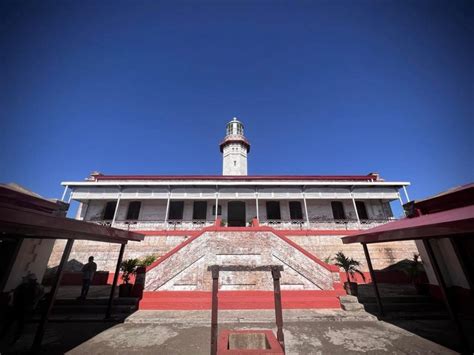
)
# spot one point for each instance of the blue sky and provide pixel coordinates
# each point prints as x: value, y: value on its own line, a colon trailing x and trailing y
x: 323, y: 87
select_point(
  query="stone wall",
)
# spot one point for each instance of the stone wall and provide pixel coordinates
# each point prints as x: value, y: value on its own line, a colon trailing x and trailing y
x: 105, y: 255
x: 322, y: 246
x: 31, y: 257
x: 381, y: 254
x: 187, y: 268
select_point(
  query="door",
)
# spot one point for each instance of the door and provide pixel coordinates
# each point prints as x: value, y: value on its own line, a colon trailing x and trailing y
x: 236, y: 214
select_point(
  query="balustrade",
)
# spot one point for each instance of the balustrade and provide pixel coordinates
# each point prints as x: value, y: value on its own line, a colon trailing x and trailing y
x: 296, y: 224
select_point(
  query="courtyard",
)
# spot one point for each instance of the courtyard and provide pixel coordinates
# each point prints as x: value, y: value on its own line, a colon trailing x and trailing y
x: 188, y: 332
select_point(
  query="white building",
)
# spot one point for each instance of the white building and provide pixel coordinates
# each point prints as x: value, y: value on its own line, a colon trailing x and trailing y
x: 312, y: 211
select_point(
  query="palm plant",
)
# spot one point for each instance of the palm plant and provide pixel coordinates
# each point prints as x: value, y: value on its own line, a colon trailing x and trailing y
x: 128, y: 267
x: 147, y: 260
x: 349, y: 265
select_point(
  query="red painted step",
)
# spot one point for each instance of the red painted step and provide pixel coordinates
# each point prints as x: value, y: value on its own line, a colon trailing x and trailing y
x: 195, y: 300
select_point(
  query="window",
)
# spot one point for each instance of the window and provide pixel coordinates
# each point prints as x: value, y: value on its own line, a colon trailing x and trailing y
x: 273, y: 210
x: 295, y: 210
x: 133, y: 210
x: 219, y: 210
x: 338, y: 210
x: 176, y: 210
x: 200, y: 210
x: 109, y: 210
x: 361, y: 210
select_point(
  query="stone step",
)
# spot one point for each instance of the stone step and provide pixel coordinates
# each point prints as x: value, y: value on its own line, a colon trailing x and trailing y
x: 93, y: 309
x: 404, y: 307
x: 397, y: 299
x: 96, y: 301
x: 425, y: 315
x: 352, y: 307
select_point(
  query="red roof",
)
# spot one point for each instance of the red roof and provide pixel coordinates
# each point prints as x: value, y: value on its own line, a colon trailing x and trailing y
x: 242, y: 178
x: 454, y: 198
x: 456, y: 222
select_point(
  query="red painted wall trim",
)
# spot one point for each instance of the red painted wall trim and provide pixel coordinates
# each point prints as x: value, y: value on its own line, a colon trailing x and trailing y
x: 286, y: 232
x: 245, y: 178
x: 165, y: 233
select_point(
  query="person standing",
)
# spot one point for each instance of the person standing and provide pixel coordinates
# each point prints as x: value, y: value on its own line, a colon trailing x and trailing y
x: 88, y: 271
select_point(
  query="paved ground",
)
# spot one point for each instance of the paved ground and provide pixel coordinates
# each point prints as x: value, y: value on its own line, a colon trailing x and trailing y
x: 167, y: 332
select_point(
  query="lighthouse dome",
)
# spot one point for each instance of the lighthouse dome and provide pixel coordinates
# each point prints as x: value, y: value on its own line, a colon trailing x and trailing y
x: 235, y: 127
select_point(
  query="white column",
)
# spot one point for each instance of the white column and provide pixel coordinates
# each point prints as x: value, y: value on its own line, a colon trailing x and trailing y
x: 256, y: 203
x: 64, y: 193
x: 406, y: 193
x: 70, y: 197
x: 217, y: 204
x: 305, y: 207
x: 401, y: 203
x: 167, y: 205
x: 116, y: 208
x: 355, y: 208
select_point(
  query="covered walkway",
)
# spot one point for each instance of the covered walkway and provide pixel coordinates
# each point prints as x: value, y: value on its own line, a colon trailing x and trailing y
x: 448, y: 216
x: 25, y: 216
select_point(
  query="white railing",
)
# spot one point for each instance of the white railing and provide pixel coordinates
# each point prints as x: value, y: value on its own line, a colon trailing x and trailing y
x: 297, y: 224
x: 329, y: 224
x: 158, y: 225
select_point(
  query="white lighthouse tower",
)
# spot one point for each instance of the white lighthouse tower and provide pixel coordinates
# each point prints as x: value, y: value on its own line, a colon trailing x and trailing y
x: 234, y: 148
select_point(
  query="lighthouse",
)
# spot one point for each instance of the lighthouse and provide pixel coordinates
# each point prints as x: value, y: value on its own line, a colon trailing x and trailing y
x: 234, y: 148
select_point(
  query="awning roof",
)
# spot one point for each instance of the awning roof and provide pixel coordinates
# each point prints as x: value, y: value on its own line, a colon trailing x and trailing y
x: 26, y: 215
x: 32, y: 224
x: 457, y: 222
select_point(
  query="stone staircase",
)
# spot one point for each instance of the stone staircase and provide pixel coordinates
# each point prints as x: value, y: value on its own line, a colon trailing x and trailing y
x: 180, y: 280
x: 401, y: 301
x: 96, y: 306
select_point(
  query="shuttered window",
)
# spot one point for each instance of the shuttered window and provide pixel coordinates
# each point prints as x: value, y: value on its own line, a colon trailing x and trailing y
x: 133, y: 210
x: 295, y: 210
x: 338, y: 210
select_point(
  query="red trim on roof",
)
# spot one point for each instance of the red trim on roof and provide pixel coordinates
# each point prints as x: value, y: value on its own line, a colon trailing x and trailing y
x: 237, y: 178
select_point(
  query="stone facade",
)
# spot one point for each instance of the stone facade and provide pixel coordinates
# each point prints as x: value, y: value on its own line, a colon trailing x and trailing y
x: 321, y: 246
x: 186, y: 269
x: 105, y: 255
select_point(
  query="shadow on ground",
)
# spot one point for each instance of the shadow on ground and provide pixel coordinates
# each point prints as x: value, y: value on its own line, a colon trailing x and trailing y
x: 415, y: 313
x: 72, y: 322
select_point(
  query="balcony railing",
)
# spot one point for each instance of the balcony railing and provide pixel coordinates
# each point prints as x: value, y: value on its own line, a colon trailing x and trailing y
x: 295, y: 224
x: 159, y: 225
x: 330, y: 224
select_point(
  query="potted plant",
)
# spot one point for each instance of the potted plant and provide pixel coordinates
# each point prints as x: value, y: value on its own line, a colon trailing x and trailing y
x: 128, y: 268
x: 414, y: 269
x: 223, y: 223
x: 350, y: 267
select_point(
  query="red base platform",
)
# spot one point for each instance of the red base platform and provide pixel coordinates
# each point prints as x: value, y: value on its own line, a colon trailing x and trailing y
x: 195, y: 300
